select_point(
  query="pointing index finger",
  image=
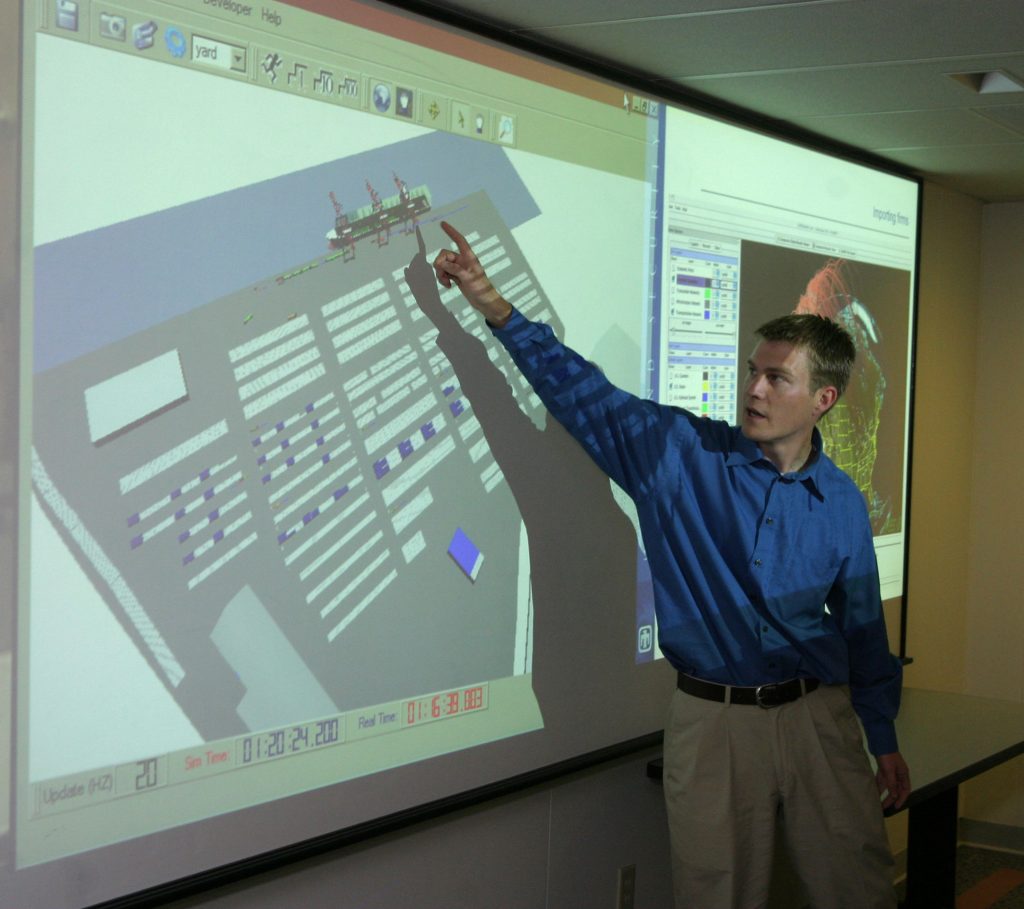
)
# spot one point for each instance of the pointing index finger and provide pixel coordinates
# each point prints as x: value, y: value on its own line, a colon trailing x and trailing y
x: 460, y: 241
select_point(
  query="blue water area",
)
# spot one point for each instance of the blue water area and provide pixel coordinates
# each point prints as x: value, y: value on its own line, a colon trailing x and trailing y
x: 105, y: 285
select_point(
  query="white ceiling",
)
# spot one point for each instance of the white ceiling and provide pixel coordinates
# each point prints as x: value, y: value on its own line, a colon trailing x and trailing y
x: 872, y: 74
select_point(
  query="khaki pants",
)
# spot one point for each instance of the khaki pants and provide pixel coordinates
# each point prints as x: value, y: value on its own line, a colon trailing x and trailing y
x: 732, y: 772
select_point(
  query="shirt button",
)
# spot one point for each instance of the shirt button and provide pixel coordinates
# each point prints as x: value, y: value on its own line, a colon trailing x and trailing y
x: 769, y: 520
x: 764, y: 627
x: 757, y: 562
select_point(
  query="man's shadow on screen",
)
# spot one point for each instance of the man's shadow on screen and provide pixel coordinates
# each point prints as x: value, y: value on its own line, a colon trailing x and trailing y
x: 583, y: 548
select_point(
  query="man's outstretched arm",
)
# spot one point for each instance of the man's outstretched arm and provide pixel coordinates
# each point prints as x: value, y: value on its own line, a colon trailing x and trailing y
x: 622, y: 433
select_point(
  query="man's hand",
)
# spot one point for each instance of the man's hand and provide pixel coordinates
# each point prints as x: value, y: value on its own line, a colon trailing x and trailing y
x: 464, y: 270
x: 893, y: 779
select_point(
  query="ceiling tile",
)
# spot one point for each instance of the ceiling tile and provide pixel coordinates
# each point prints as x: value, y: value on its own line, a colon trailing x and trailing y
x: 816, y: 34
x: 539, y: 14
x: 853, y: 89
x: 990, y: 173
x: 870, y: 74
x: 914, y: 128
x: 1011, y: 116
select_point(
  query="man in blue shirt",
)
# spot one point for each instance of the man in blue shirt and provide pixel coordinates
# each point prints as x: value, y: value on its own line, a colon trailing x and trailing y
x: 767, y: 595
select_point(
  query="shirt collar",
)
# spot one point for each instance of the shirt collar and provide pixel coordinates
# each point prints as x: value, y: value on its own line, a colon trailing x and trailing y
x: 744, y: 452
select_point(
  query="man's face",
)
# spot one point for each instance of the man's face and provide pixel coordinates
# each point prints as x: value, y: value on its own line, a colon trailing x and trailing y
x: 779, y: 407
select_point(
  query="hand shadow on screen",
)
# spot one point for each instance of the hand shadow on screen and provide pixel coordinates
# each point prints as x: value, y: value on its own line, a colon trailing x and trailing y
x: 583, y: 549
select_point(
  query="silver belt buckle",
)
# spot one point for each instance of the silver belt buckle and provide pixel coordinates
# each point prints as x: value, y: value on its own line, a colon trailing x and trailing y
x: 757, y: 696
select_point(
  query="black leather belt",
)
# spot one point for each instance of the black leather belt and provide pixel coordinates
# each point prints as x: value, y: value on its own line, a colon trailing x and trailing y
x: 762, y: 695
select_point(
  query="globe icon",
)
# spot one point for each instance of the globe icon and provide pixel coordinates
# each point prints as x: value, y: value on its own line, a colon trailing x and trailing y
x: 382, y: 97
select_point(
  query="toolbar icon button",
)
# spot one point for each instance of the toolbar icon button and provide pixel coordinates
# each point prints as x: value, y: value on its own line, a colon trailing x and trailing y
x: 381, y: 97
x: 404, y: 102
x: 506, y: 129
x: 323, y: 83
x: 462, y: 118
x: 433, y: 109
x: 176, y: 42
x: 143, y: 35
x: 480, y: 123
x: 297, y: 77
x: 270, y: 64
x: 67, y: 15
x: 349, y: 88
x: 112, y: 27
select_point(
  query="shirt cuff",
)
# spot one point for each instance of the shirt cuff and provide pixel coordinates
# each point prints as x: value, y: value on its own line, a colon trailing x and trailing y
x: 881, y: 736
x: 516, y: 318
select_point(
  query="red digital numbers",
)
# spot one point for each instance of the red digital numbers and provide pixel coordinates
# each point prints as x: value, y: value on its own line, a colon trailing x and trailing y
x: 473, y: 698
x: 438, y: 706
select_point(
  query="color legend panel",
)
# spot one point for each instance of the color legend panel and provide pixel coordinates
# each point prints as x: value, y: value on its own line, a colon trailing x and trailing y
x: 703, y: 320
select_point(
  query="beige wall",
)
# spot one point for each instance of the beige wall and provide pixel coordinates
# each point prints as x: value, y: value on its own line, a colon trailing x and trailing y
x: 947, y: 319
x: 966, y: 575
x: 995, y: 642
x: 994, y: 653
x: 947, y: 326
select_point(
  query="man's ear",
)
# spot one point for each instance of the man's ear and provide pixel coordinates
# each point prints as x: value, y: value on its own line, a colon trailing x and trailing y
x: 824, y: 398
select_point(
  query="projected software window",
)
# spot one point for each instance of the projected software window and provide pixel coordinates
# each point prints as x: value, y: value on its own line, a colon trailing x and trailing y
x: 759, y: 229
x: 272, y: 539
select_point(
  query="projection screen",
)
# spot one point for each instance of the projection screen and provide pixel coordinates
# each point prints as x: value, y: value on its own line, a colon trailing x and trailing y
x: 291, y: 546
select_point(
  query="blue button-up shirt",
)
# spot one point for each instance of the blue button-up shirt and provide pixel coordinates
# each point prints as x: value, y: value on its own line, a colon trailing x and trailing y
x: 758, y: 576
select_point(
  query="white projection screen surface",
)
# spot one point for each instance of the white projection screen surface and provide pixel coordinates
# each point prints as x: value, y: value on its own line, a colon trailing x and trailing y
x: 291, y: 548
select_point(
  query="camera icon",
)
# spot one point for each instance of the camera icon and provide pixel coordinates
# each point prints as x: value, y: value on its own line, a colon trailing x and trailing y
x: 112, y: 27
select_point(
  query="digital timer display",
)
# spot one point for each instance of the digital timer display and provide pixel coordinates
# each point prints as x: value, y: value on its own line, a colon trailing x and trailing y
x: 266, y: 746
x: 156, y: 773
x: 446, y: 704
